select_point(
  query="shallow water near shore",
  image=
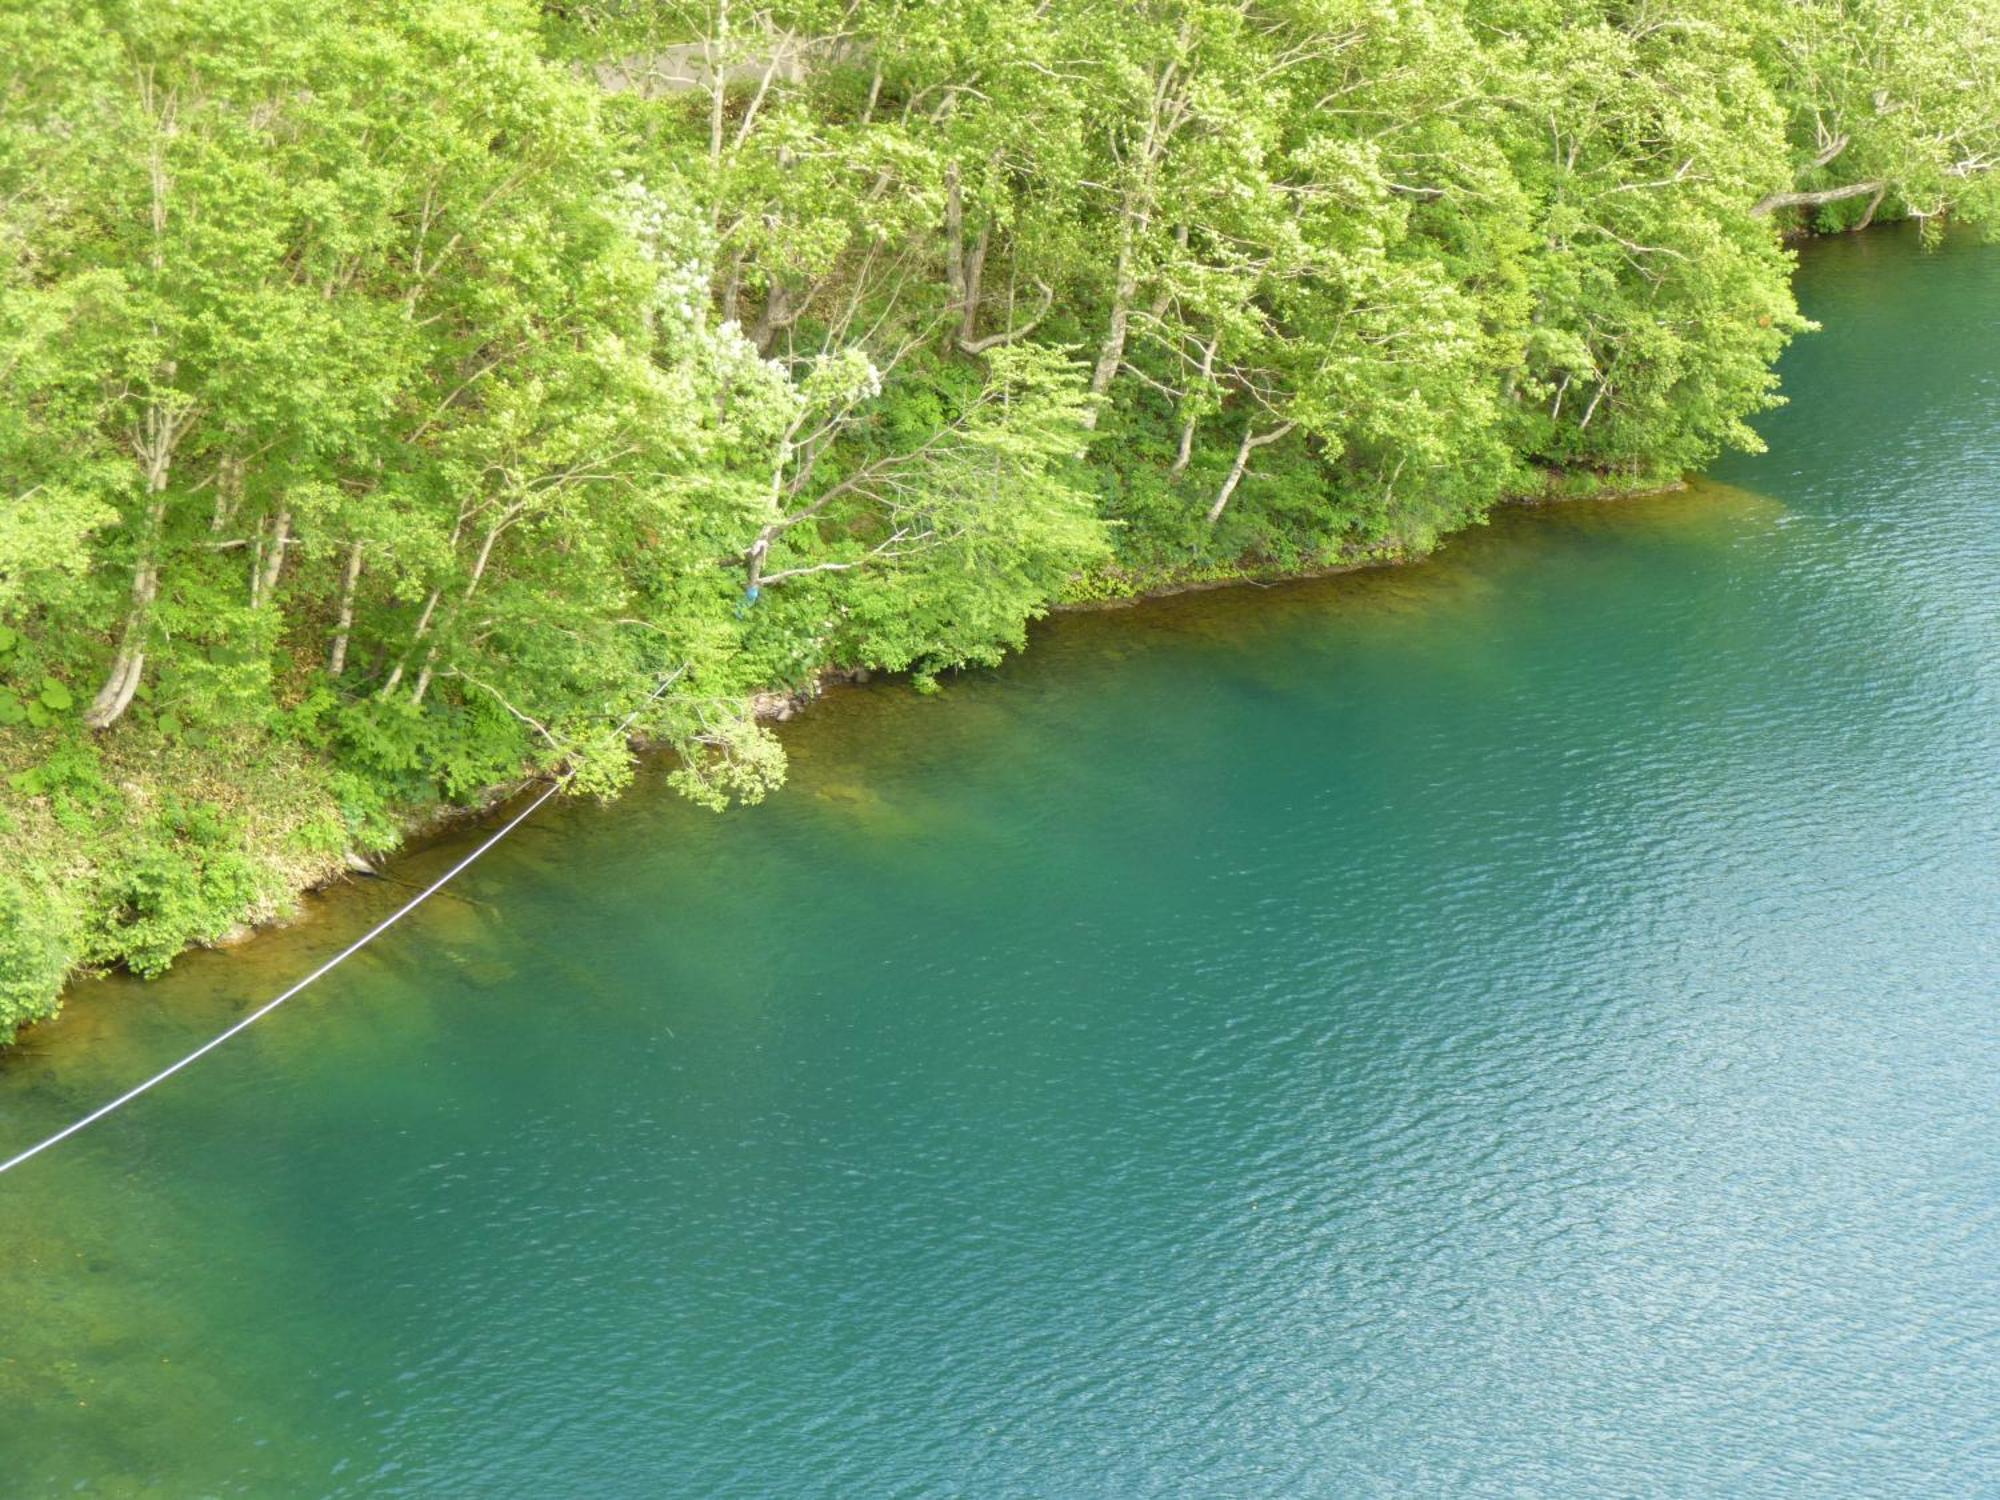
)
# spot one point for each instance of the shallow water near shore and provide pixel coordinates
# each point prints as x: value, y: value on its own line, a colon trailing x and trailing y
x: 1523, y: 1023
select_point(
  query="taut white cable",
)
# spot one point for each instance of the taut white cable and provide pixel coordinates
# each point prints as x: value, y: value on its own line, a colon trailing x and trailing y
x: 326, y: 968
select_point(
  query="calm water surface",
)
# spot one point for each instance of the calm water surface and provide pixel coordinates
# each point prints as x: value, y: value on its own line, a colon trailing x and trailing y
x: 1523, y: 1025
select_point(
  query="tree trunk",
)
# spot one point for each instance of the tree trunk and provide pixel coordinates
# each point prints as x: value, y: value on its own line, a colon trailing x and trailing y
x: 777, y: 313
x: 715, y: 54
x: 1874, y: 203
x: 336, y: 659
x: 128, y: 663
x: 1590, y: 411
x: 425, y: 674
x: 954, y: 238
x: 1187, y: 428
x: 975, y: 275
x: 1237, y: 469
x: 1773, y: 201
x: 228, y: 492
x: 423, y: 629
x: 1111, y: 353
x: 267, y: 565
x: 1163, y: 120
x: 160, y: 431
x: 127, y: 667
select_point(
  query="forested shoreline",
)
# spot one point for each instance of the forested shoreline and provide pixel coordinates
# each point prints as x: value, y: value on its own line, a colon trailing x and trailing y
x: 396, y: 396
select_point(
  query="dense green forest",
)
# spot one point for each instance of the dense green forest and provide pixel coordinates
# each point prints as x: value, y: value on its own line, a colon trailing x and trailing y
x: 392, y: 396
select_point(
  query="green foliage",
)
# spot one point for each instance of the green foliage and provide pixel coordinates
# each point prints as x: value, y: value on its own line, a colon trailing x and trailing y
x: 407, y: 392
x: 36, y: 950
x: 185, y: 879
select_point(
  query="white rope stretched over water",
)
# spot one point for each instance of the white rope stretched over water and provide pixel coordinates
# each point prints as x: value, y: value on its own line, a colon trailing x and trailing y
x: 324, y: 969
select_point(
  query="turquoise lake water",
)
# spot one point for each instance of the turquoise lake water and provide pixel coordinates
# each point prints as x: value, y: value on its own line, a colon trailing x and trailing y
x: 1522, y: 1025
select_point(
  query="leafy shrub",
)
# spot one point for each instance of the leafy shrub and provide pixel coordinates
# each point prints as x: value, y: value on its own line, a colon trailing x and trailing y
x: 36, y: 950
x: 187, y: 881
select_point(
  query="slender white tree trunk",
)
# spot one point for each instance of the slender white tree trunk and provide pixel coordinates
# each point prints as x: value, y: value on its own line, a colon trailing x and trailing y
x: 1111, y: 353
x: 1251, y: 440
x: 160, y: 431
x: 336, y: 658
x: 1188, y: 427
x: 423, y: 629
x: 128, y: 664
x: 1163, y: 118
x: 270, y: 562
x: 428, y: 670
